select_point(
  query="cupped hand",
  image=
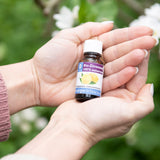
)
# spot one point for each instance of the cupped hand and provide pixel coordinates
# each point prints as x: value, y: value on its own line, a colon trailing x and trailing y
x: 80, y: 125
x: 55, y: 64
x: 105, y: 117
x: 113, y: 114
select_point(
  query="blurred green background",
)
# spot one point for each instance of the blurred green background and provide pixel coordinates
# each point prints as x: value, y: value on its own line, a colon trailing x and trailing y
x: 25, y: 25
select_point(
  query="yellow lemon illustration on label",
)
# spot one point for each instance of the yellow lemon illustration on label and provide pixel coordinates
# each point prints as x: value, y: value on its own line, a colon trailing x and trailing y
x: 86, y: 79
x: 94, y: 77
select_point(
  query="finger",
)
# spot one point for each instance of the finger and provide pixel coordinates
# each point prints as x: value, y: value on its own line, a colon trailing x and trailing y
x: 133, y: 58
x: 114, y: 52
x: 121, y: 35
x: 118, y: 79
x: 140, y: 78
x: 89, y: 30
x: 144, y: 102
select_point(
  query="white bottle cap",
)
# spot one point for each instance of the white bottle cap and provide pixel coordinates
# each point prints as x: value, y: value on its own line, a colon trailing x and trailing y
x: 92, y: 45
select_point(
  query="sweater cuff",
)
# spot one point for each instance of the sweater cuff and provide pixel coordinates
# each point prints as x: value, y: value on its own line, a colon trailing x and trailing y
x: 5, y: 123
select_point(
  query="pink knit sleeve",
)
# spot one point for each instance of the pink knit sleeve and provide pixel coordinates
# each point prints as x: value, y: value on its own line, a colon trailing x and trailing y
x: 5, y: 124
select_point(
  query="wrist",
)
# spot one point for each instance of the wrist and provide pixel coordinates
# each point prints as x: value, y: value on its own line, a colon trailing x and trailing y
x: 68, y: 139
x: 63, y: 143
x: 20, y: 85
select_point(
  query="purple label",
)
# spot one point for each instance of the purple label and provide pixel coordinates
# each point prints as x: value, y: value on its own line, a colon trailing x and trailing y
x: 90, y: 67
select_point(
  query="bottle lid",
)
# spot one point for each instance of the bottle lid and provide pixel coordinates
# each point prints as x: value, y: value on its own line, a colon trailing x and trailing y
x: 92, y: 45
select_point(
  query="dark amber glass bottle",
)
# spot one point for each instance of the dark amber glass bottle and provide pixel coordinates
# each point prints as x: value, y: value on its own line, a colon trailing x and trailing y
x: 90, y: 72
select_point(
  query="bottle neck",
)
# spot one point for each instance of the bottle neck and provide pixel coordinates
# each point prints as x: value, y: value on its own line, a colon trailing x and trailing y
x: 93, y: 55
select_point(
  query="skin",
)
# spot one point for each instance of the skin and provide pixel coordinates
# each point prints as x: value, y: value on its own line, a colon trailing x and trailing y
x: 49, y: 78
x: 61, y: 69
x: 50, y: 75
x: 75, y: 127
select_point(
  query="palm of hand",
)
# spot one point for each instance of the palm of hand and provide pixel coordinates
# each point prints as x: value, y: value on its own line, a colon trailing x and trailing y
x: 57, y: 72
x: 111, y: 117
x: 55, y: 64
x: 106, y: 117
x: 114, y: 113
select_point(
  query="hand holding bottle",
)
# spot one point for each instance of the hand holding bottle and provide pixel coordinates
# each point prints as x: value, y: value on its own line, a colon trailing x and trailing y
x: 80, y: 125
x: 49, y: 78
x: 75, y: 127
x: 55, y: 64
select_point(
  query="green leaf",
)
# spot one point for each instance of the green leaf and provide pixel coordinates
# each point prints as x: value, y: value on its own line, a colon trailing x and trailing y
x: 86, y: 12
x: 100, y: 11
x: 92, y: 82
x: 106, y: 10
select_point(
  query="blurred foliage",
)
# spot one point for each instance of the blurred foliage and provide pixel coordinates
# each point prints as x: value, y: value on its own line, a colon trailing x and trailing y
x: 90, y: 12
x: 23, y: 28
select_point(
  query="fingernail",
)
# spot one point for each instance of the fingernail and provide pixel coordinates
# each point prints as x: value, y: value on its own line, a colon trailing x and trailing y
x: 146, y: 53
x: 152, y: 31
x: 137, y: 70
x: 152, y: 89
x: 157, y: 40
x: 107, y: 22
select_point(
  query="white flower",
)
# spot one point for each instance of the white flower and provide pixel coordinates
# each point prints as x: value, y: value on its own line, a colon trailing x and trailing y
x: 41, y: 123
x: 75, y: 12
x: 153, y: 11
x: 16, y: 119
x: 150, y: 19
x: 29, y: 114
x: 150, y: 22
x: 66, y: 17
x: 25, y: 127
x: 54, y: 33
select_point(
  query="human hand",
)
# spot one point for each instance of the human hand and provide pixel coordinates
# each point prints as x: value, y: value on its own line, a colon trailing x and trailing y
x: 75, y: 127
x: 55, y: 64
x: 105, y: 117
x: 49, y: 77
x: 110, y: 116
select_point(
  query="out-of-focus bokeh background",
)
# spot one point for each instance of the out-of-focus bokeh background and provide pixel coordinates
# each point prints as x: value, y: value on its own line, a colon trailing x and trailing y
x: 25, y: 25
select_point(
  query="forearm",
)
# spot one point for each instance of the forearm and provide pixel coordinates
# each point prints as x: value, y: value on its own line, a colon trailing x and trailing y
x: 20, y: 85
x: 57, y: 142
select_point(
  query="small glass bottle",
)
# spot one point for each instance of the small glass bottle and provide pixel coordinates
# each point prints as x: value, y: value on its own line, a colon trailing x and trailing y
x: 90, y: 72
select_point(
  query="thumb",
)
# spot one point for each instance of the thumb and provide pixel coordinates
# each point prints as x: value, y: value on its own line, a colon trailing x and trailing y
x: 146, y: 94
x: 144, y: 102
x: 91, y: 29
